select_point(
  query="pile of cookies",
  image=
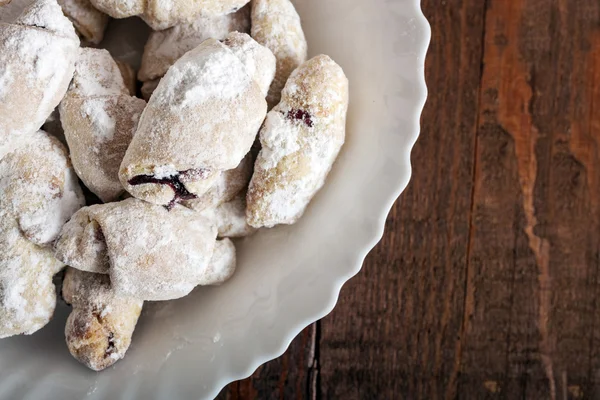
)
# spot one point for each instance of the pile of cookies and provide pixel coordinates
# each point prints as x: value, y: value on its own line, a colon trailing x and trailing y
x: 233, y: 130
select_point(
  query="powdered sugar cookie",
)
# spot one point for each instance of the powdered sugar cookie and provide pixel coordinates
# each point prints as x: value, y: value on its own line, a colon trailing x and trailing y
x: 38, y: 187
x: 165, y: 47
x: 82, y: 244
x: 160, y: 14
x: 230, y: 218
x: 300, y: 139
x: 222, y: 264
x: 276, y: 25
x: 37, y: 58
x: 226, y: 187
x: 89, y: 22
x: 38, y: 194
x: 119, y: 8
x: 150, y: 253
x: 99, y: 329
x: 160, y: 17
x: 99, y: 118
x: 27, y: 294
x: 201, y: 120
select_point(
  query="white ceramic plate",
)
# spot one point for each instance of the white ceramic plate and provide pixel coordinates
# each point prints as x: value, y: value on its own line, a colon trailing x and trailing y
x: 288, y: 277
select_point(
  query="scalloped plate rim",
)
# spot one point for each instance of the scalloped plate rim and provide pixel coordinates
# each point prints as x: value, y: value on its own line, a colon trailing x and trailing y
x: 342, y: 280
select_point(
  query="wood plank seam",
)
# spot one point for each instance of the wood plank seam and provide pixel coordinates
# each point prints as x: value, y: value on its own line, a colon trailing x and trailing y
x: 314, y: 390
x: 467, y: 311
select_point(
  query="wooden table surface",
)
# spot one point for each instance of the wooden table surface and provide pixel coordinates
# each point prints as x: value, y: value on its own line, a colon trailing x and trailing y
x: 486, y: 284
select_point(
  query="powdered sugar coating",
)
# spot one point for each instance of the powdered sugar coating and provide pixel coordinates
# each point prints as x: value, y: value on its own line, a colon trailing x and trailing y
x: 202, y: 118
x: 89, y: 22
x: 277, y: 26
x: 165, y: 47
x: 222, y: 264
x: 99, y: 329
x: 230, y: 218
x: 120, y: 8
x: 258, y: 60
x: 38, y: 187
x: 163, y: 14
x: 38, y: 193
x: 226, y: 187
x: 153, y: 254
x: 37, y: 57
x: 27, y: 294
x: 300, y: 139
x: 97, y: 74
x: 82, y: 245
x: 99, y: 119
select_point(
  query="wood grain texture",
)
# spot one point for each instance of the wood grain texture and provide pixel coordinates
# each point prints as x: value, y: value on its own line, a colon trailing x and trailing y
x: 486, y: 284
x: 397, y: 327
x: 288, y: 377
x: 535, y: 237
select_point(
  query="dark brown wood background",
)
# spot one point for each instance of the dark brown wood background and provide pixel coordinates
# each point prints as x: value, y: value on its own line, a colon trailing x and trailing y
x: 486, y: 284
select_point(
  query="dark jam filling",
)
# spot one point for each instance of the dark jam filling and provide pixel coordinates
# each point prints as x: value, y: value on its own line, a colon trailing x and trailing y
x: 111, y: 348
x: 174, y: 182
x: 300, y: 115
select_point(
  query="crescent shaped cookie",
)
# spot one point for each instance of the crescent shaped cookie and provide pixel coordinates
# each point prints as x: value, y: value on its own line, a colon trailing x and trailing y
x: 89, y: 22
x: 149, y: 252
x: 230, y: 218
x: 38, y: 187
x: 222, y: 264
x: 163, y: 48
x: 300, y: 139
x: 201, y: 120
x: 27, y: 294
x: 226, y: 187
x: 38, y: 194
x: 37, y: 58
x: 161, y: 15
x: 277, y: 26
x: 99, y: 329
x: 99, y: 118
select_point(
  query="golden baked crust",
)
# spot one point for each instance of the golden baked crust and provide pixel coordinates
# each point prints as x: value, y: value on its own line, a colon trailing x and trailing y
x: 99, y: 329
x: 201, y: 120
x: 89, y: 22
x: 277, y: 26
x: 301, y: 139
x: 99, y: 118
x: 37, y: 55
